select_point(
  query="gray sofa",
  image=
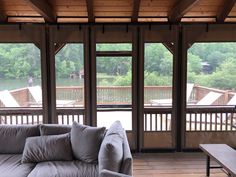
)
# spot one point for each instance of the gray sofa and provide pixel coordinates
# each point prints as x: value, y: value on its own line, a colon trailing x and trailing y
x: 49, y: 150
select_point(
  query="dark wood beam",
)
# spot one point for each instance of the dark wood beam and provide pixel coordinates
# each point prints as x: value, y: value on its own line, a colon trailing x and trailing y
x: 224, y: 12
x: 136, y: 5
x: 180, y: 9
x: 90, y: 10
x: 44, y: 9
x: 169, y: 46
x: 3, y: 17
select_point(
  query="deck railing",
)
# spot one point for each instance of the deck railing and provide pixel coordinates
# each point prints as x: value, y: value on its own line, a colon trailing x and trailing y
x: 210, y: 118
x: 119, y: 95
x: 21, y: 116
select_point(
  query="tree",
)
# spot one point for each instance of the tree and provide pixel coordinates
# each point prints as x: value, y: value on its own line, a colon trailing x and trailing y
x: 194, y: 63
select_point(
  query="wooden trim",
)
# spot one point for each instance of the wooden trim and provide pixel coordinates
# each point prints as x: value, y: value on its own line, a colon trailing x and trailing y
x: 114, y: 53
x: 58, y: 47
x: 181, y: 8
x: 169, y: 46
x: 43, y: 8
x: 90, y: 10
x: 136, y: 6
x: 3, y: 17
x: 225, y: 10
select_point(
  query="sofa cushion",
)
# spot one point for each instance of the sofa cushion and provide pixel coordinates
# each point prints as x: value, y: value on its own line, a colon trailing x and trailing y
x: 13, y: 137
x: 86, y: 141
x: 64, y: 169
x: 111, y: 152
x: 10, y: 166
x: 54, y: 129
x: 47, y: 148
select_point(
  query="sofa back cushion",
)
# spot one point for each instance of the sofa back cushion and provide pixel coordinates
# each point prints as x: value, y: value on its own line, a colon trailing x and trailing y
x: 13, y: 137
x: 47, y: 148
x: 111, y: 152
x: 86, y: 142
x: 54, y: 129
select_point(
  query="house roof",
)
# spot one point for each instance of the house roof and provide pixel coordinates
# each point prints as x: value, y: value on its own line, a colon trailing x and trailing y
x: 73, y: 11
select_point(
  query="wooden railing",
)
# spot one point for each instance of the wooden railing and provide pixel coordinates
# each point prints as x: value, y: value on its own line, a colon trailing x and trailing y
x: 157, y: 119
x: 210, y: 118
x: 35, y: 116
x: 21, y: 116
x: 119, y: 95
x: 69, y: 115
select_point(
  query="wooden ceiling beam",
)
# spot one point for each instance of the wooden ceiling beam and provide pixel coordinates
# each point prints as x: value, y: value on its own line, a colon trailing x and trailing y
x: 180, y: 9
x: 136, y: 6
x: 44, y: 9
x: 90, y: 10
x: 224, y: 12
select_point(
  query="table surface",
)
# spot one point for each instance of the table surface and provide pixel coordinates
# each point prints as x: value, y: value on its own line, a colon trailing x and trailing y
x: 223, y: 154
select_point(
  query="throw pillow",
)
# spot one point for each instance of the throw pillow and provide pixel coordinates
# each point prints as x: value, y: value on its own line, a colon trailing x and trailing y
x: 47, y: 148
x: 86, y: 141
x: 111, y: 152
x: 54, y: 129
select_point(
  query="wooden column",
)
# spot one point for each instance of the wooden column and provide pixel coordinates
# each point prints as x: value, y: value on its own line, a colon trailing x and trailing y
x: 179, y: 86
x: 87, y: 78
x: 49, y: 81
x: 93, y: 78
x: 140, y: 87
x: 135, y: 56
x: 44, y: 76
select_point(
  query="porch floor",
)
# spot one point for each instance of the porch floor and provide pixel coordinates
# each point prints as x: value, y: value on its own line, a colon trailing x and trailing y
x: 173, y: 165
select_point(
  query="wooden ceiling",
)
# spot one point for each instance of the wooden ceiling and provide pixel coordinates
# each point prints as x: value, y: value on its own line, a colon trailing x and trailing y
x: 73, y: 11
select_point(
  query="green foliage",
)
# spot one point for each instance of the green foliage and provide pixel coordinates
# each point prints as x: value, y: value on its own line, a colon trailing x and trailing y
x: 123, y: 80
x: 154, y: 79
x: 194, y: 64
x: 22, y: 60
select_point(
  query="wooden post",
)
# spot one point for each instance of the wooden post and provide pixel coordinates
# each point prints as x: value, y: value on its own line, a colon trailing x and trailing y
x: 135, y: 56
x: 51, y: 80
x: 179, y: 90
x: 87, y: 78
x: 93, y: 72
x: 140, y: 87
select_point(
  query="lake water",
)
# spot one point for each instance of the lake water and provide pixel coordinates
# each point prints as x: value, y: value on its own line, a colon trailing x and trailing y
x: 11, y: 84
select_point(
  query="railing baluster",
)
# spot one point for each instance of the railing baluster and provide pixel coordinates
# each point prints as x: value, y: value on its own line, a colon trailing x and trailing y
x: 161, y: 122
x: 150, y: 122
x: 155, y: 122
x: 221, y: 128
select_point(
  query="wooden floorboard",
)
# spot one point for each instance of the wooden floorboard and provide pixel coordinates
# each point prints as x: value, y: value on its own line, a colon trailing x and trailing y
x: 172, y: 165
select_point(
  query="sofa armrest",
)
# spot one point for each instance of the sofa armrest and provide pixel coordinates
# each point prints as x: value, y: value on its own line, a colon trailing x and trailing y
x: 108, y: 173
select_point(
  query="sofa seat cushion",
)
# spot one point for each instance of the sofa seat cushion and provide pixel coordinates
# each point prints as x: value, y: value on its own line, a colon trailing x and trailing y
x: 10, y: 166
x: 64, y: 169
